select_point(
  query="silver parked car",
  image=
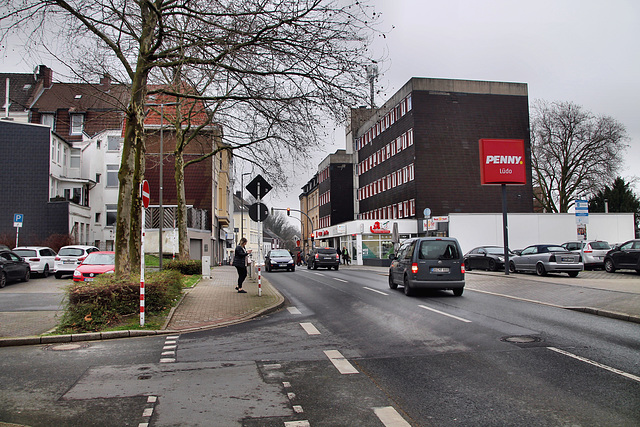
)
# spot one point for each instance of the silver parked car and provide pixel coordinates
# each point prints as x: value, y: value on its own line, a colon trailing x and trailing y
x: 543, y: 259
x: 70, y: 257
x: 591, y: 251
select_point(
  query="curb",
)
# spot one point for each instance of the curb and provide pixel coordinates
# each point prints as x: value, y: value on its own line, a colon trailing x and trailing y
x: 133, y: 333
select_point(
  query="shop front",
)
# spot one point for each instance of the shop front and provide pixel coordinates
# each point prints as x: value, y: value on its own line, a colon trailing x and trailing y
x: 368, y: 242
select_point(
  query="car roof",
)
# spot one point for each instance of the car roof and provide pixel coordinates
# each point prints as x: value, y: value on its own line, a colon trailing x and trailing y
x: 32, y: 247
x: 79, y: 246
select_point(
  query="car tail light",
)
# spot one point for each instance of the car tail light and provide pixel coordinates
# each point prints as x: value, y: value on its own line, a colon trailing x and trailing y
x: 462, y: 269
x: 552, y: 258
x: 414, y: 268
x: 317, y: 256
x: 338, y: 257
x: 57, y: 258
x: 82, y: 259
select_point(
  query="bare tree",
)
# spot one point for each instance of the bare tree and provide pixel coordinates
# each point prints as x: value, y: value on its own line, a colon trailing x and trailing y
x: 573, y: 153
x: 274, y: 51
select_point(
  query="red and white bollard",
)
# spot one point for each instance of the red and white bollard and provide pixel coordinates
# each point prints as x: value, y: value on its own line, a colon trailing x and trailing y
x: 259, y: 282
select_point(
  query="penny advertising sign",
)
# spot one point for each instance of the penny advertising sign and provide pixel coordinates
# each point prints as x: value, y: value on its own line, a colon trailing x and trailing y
x: 502, y: 161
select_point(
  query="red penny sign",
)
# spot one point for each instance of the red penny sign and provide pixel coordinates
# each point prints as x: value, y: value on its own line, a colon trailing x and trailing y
x: 502, y: 161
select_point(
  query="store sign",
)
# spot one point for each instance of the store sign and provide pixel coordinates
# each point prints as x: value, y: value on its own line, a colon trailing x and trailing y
x: 502, y: 161
x: 378, y: 228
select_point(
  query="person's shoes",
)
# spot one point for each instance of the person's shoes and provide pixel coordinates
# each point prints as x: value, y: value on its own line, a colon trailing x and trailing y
x: 237, y: 288
x: 242, y: 291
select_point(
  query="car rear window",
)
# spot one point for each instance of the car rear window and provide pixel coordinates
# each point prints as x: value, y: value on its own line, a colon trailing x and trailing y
x: 26, y: 252
x: 71, y: 252
x: 599, y: 245
x: 327, y: 251
x: 438, y: 249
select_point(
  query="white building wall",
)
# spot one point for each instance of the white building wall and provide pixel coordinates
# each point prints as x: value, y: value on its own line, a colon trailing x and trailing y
x: 473, y: 230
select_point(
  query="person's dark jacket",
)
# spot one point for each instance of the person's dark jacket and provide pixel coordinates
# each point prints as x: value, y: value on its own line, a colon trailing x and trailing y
x: 240, y: 256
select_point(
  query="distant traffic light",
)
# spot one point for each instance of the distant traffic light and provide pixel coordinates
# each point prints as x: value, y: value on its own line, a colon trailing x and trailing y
x: 312, y: 237
x: 288, y: 211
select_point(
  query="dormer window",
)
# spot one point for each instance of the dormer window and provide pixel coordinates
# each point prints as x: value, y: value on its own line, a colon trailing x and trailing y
x: 77, y: 124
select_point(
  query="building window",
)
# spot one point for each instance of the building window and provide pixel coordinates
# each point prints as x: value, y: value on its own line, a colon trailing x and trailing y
x: 48, y: 120
x: 112, y: 175
x: 112, y: 214
x: 98, y: 215
x: 113, y: 143
x: 75, y: 158
x: 77, y: 124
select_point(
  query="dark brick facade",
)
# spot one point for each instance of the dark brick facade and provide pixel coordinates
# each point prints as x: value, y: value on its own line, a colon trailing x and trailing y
x: 24, y: 174
x: 447, y: 126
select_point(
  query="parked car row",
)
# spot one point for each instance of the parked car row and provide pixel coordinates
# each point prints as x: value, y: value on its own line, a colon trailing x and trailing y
x: 570, y: 257
x: 73, y: 260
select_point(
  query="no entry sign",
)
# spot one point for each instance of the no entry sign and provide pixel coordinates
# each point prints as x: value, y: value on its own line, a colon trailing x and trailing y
x: 145, y: 193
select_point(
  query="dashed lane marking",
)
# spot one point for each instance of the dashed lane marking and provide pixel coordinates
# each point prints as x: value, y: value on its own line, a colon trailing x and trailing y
x: 303, y: 423
x: 341, y: 280
x: 310, y: 329
x: 340, y: 362
x: 376, y: 291
x: 293, y: 310
x: 597, y: 364
x: 390, y: 417
x: 445, y: 314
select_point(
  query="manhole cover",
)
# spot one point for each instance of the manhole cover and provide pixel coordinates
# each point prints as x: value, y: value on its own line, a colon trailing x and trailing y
x: 521, y: 339
x: 66, y: 347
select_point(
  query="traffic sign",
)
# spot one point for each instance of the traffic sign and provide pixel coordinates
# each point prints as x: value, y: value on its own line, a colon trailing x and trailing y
x: 261, y: 208
x: 145, y: 193
x: 18, y: 219
x: 258, y: 183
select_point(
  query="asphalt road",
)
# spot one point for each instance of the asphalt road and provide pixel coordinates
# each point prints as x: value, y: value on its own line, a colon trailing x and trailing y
x: 347, y: 350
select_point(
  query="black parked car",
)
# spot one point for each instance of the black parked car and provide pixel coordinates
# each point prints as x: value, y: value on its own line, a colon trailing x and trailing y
x: 13, y: 267
x: 323, y: 257
x: 485, y: 258
x: 279, y: 258
x: 625, y: 256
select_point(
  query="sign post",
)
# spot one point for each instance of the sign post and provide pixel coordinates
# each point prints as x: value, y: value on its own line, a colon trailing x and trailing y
x: 502, y: 162
x: 18, y: 219
x: 145, y: 204
x: 258, y: 188
x: 582, y: 218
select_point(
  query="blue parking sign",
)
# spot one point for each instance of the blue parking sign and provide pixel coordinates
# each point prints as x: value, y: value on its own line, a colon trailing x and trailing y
x: 18, y: 219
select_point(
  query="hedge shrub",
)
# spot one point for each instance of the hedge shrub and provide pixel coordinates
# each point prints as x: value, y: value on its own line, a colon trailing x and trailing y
x: 188, y: 267
x: 94, y: 306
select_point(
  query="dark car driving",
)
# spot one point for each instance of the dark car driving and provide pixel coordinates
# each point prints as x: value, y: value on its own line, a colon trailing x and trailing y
x: 428, y: 263
x: 485, y: 258
x: 12, y: 268
x: 625, y: 256
x: 279, y: 259
x: 323, y: 257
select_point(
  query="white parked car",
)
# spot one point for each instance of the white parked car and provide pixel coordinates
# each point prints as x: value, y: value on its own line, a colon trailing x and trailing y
x: 591, y: 251
x: 41, y: 259
x: 70, y: 257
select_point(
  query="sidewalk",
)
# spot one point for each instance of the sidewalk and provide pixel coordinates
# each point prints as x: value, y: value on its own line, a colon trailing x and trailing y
x: 214, y: 302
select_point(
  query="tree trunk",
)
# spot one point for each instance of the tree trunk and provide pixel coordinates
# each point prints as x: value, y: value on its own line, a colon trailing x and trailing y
x: 183, y: 241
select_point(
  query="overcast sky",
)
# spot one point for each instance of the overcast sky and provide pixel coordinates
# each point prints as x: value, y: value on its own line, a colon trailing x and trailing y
x: 583, y: 51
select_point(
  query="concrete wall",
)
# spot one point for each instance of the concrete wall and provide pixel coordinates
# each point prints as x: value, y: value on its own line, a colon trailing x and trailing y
x: 525, y: 229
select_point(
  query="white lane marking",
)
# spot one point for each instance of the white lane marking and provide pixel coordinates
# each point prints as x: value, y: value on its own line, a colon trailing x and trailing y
x: 152, y: 399
x: 167, y: 360
x: 445, y: 314
x: 273, y: 366
x: 319, y: 274
x: 298, y: 409
x: 293, y: 310
x: 390, y: 417
x: 594, y: 363
x: 286, y: 384
x: 147, y: 412
x: 310, y: 329
x: 303, y: 423
x: 375, y: 290
x: 173, y: 337
x: 340, y: 280
x: 342, y: 365
x: 169, y: 347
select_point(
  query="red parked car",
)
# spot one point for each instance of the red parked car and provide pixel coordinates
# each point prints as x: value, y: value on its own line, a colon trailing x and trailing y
x: 94, y: 264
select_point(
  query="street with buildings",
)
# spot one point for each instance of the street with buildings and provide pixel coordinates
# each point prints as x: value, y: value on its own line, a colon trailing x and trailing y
x: 326, y: 347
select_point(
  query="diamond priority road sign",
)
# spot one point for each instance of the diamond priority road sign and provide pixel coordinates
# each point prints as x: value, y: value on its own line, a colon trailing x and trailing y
x: 258, y: 187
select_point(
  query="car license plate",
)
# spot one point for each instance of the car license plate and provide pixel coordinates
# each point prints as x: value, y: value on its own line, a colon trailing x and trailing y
x: 439, y: 269
x: 567, y: 259
x: 88, y: 279
x: 68, y: 262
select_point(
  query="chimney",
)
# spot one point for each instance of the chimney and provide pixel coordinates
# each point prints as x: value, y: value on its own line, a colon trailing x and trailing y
x: 105, y: 82
x: 46, y: 75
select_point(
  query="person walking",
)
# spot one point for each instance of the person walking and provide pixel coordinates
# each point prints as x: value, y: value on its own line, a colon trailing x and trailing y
x: 345, y: 255
x: 240, y: 263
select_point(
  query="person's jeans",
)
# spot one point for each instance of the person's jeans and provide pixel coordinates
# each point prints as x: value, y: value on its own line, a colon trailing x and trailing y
x: 242, y: 274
